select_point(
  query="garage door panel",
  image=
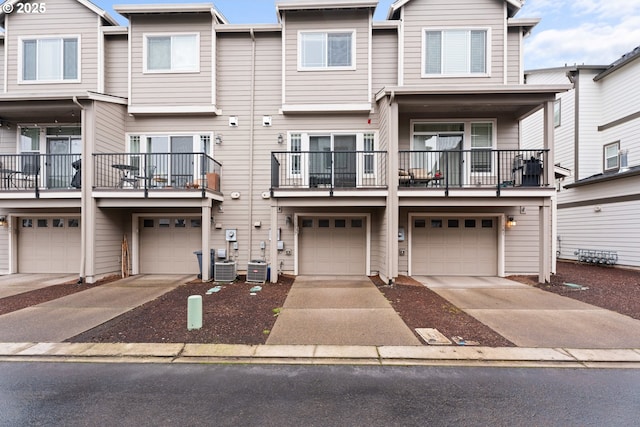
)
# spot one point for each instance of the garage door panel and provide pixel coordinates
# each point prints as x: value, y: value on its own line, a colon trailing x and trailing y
x: 454, y: 246
x: 167, y: 245
x: 49, y: 245
x: 332, y: 246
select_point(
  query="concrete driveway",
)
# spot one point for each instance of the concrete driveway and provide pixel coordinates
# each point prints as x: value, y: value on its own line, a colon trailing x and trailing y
x: 63, y: 318
x: 14, y: 284
x: 531, y: 317
x: 338, y: 311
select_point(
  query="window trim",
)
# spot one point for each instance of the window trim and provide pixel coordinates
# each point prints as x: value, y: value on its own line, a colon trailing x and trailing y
x: 351, y: 67
x: 423, y: 53
x: 145, y: 51
x: 557, y: 113
x: 605, y: 158
x: 62, y: 37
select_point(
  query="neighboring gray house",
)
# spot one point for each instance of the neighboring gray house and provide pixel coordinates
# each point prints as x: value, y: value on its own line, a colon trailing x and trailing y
x: 325, y: 144
x: 597, y: 134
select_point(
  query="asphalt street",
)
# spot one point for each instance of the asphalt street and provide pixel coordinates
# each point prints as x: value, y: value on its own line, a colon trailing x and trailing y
x: 77, y: 394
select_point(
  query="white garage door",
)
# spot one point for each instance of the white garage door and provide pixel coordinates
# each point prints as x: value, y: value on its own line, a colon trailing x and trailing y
x: 167, y: 245
x: 49, y: 245
x: 464, y: 246
x: 332, y: 246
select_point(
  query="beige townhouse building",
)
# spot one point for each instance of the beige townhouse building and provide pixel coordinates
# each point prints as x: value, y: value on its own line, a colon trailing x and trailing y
x: 325, y: 144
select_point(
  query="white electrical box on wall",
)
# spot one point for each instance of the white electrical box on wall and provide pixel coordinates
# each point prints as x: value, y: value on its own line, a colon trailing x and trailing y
x: 231, y: 235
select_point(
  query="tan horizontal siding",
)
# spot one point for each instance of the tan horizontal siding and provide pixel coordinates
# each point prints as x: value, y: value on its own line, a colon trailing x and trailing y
x: 327, y: 87
x: 171, y: 89
x: 513, y: 57
x: 109, y: 133
x: 522, y: 243
x: 454, y: 14
x: 116, y: 66
x: 63, y: 17
x: 385, y: 59
x: 109, y: 233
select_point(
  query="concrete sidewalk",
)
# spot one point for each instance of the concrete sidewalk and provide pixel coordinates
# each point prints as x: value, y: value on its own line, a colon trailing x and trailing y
x: 320, y: 355
x: 63, y: 318
x: 531, y: 317
x: 339, y: 311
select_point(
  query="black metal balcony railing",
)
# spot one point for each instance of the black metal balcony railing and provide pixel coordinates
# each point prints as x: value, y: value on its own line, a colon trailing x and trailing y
x: 156, y: 171
x: 36, y: 172
x: 473, y: 168
x: 328, y: 169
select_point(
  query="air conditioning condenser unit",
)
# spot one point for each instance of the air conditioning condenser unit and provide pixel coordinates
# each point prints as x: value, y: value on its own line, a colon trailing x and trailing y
x: 225, y: 271
x: 257, y: 271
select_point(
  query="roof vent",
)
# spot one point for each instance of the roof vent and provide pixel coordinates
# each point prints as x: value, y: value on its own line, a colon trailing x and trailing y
x: 624, y: 163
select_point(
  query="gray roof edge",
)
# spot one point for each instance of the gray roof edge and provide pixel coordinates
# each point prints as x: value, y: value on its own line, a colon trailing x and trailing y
x: 619, y: 63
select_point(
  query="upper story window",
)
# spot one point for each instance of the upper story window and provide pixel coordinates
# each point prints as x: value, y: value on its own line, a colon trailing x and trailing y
x: 175, y: 53
x: 557, y: 112
x: 462, y: 52
x: 326, y: 50
x: 611, y: 158
x: 50, y: 59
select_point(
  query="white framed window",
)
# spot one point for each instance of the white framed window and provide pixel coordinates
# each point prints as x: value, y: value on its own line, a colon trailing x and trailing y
x: 170, y: 159
x: 369, y: 157
x: 557, y: 113
x: 458, y: 148
x: 455, y: 52
x: 342, y: 159
x: 50, y: 59
x: 481, y: 147
x: 295, y: 160
x: 172, y: 53
x: 326, y: 50
x: 611, y: 157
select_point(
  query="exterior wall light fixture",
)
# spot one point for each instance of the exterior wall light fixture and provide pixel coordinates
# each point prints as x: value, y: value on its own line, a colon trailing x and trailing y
x: 511, y: 222
x: 280, y: 138
x: 218, y: 139
x: 3, y: 221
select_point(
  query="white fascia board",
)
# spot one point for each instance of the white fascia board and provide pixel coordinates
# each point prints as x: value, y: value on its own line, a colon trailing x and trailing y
x: 95, y: 9
x: 132, y: 9
x: 326, y: 4
x: 44, y: 97
x: 400, y: 3
x: 386, y: 25
x: 527, y: 24
x: 326, y: 108
x: 395, y: 6
x: 107, y: 98
x: 181, y: 109
x: 473, y: 89
x: 245, y: 28
x: 122, y: 31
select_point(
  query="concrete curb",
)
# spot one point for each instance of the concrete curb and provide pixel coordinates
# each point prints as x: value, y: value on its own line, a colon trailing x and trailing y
x: 320, y: 354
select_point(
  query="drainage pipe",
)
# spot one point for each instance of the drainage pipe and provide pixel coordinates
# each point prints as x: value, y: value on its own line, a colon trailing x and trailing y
x: 84, y: 193
x: 251, y: 138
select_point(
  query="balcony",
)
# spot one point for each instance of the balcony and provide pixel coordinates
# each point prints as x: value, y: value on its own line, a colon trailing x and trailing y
x: 34, y: 175
x: 497, y: 170
x: 156, y: 175
x: 324, y: 172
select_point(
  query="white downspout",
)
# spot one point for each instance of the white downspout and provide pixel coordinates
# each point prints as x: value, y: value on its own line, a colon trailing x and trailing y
x: 83, y: 184
x: 251, y: 138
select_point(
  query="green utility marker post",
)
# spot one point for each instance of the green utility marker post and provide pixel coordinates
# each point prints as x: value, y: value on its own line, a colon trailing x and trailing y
x: 194, y: 312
